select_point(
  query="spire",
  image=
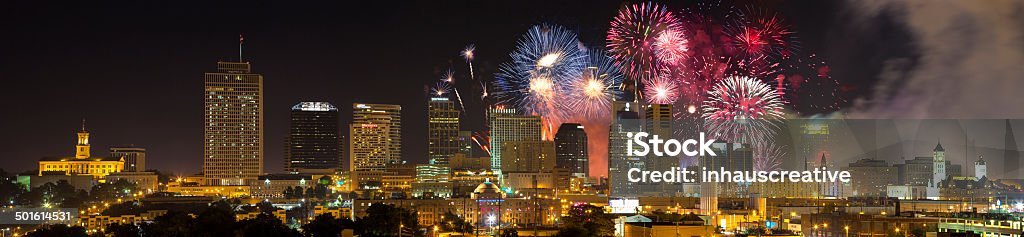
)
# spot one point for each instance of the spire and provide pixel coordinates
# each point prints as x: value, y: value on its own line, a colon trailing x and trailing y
x: 823, y: 162
x: 241, y: 40
x: 83, y: 125
x: 938, y: 146
x: 1011, y: 156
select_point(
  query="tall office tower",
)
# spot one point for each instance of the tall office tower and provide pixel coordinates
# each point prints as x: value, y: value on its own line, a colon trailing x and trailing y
x: 506, y: 126
x: 381, y: 114
x: 466, y: 143
x: 233, y: 125
x: 814, y: 134
x: 980, y: 168
x: 870, y: 177
x: 571, y: 149
x: 442, y: 130
x: 658, y: 121
x: 1011, y: 156
x: 313, y: 139
x: 731, y: 157
x: 938, y: 164
x: 625, y: 122
x: 374, y: 142
x: 134, y: 157
x: 528, y: 157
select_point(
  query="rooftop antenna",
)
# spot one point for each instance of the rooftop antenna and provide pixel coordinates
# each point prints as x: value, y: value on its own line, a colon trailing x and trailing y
x: 83, y: 124
x: 241, y: 40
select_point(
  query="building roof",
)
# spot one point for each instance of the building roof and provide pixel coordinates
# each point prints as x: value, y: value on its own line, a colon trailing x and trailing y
x: 487, y: 187
x: 76, y: 159
x: 938, y: 147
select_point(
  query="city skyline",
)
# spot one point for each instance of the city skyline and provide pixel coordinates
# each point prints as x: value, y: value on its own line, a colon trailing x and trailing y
x: 270, y: 51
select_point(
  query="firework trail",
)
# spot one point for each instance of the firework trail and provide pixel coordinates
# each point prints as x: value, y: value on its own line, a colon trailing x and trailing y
x: 742, y: 109
x: 546, y: 60
x: 768, y: 157
x: 467, y: 53
x: 632, y: 36
x: 483, y: 140
x: 591, y: 94
x: 449, y: 77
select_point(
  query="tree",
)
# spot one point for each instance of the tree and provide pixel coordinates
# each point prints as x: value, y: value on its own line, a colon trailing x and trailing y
x: 266, y: 207
x: 590, y: 219
x: 213, y: 221
x: 386, y: 220
x: 453, y: 223
x: 58, y: 230
x: 264, y: 225
x: 174, y: 223
x: 10, y: 189
x: 509, y: 233
x: 123, y: 230
x: 325, y: 225
x: 112, y: 190
x: 60, y: 194
x: 572, y: 232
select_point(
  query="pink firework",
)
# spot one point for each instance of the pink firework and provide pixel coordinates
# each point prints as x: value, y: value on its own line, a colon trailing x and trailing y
x: 670, y: 46
x: 768, y: 158
x: 742, y: 109
x: 661, y: 89
x: 631, y: 37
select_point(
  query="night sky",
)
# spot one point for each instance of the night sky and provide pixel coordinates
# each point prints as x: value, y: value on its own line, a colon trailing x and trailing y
x: 134, y: 70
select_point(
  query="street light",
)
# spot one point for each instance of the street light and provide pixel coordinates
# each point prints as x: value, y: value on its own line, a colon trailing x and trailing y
x: 847, y: 229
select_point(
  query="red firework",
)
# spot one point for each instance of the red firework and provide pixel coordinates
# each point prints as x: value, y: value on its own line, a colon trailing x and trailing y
x: 759, y: 34
x: 631, y: 38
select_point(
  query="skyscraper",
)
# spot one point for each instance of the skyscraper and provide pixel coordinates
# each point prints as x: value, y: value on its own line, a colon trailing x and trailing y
x: 658, y: 122
x: 313, y: 139
x: 507, y: 125
x: 442, y: 130
x: 134, y: 157
x: 571, y: 149
x: 466, y: 143
x: 375, y: 142
x: 625, y: 121
x: 233, y: 124
x: 380, y: 114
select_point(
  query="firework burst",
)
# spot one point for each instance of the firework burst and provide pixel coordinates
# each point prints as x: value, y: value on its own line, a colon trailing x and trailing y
x: 670, y: 46
x: 661, y: 89
x: 742, y: 109
x: 440, y: 89
x: 632, y: 37
x: 468, y: 54
x: 764, y: 33
x: 546, y: 59
x: 591, y: 94
x: 768, y: 157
